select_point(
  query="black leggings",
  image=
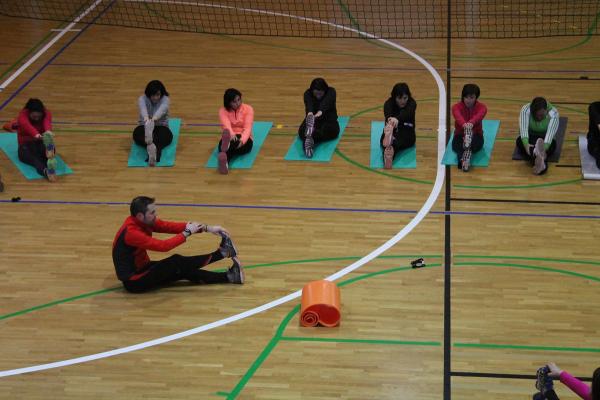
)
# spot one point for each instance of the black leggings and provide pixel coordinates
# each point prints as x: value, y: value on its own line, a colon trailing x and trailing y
x: 175, y: 268
x: 403, y: 139
x: 34, y: 153
x: 161, y: 137
x: 323, y: 130
x: 234, y: 150
x: 457, y: 144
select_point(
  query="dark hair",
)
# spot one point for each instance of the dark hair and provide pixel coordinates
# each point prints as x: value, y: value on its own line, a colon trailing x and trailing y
x: 319, y: 84
x: 35, y: 105
x: 537, y: 104
x: 154, y: 87
x: 399, y: 90
x: 140, y: 205
x: 596, y: 385
x: 229, y: 96
x: 469, y: 89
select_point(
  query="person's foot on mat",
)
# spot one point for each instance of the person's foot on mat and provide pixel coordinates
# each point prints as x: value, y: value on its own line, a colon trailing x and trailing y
x: 235, y: 274
x: 51, y: 170
x: 388, y: 135
x: 151, y: 149
x: 468, y: 138
x: 223, y: 163
x: 539, y: 153
x: 227, y: 248
x: 388, y: 157
x: 225, y: 140
x: 48, y: 139
x: 466, y: 160
x: 309, y: 147
x: 310, y: 124
x: 149, y: 131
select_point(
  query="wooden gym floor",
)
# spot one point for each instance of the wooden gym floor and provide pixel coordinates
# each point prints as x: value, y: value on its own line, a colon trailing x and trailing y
x: 524, y: 256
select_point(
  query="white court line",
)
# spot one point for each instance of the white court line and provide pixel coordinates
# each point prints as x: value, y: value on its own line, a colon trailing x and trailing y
x: 437, y: 187
x: 47, y: 46
x: 70, y: 30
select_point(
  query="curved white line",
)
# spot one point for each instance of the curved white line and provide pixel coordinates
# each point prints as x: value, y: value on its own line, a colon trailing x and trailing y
x: 437, y: 187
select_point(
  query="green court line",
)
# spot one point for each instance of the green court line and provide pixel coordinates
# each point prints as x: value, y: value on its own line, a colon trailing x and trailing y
x: 360, y: 341
x: 277, y: 263
x: 519, y: 347
x: 279, y: 334
x: 223, y: 394
x: 61, y: 301
x: 559, y: 260
x: 534, y: 185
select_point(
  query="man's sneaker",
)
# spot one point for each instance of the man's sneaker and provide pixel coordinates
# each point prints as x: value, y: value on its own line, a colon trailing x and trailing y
x: 310, y: 124
x: 539, y: 152
x: 227, y: 248
x: 543, y: 382
x: 235, y: 274
x: 466, y: 160
x: 48, y: 139
x: 468, y: 138
x: 151, y: 149
x: 51, y: 169
x: 223, y: 163
x: 149, y: 131
x: 388, y: 135
x: 388, y: 157
x: 309, y: 147
x: 225, y: 140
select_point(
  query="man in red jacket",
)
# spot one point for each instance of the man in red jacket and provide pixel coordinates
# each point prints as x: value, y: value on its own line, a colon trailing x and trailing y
x: 139, y: 274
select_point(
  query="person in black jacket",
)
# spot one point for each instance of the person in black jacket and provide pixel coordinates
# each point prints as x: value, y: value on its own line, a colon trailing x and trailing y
x: 593, y: 136
x: 321, y: 121
x: 399, y: 131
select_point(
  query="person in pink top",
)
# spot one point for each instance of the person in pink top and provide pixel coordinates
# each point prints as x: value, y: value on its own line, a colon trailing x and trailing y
x: 35, y: 138
x: 236, y: 122
x: 468, y: 128
x: 544, y: 384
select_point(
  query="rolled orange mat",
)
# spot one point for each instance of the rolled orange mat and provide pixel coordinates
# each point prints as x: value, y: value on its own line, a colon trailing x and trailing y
x: 320, y: 304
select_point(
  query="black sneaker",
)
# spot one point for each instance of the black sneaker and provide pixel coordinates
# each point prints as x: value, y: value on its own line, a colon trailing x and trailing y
x: 309, y: 147
x: 227, y: 247
x: 235, y: 273
x: 543, y: 382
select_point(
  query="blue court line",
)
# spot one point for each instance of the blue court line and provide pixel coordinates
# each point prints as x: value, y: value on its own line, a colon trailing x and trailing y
x: 58, y: 53
x: 199, y: 66
x: 329, y: 209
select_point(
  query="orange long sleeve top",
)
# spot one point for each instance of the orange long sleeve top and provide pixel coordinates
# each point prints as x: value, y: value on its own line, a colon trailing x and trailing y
x: 238, y: 121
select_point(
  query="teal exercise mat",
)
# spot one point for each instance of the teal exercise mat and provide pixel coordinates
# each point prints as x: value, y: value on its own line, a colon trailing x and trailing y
x: 10, y: 146
x: 407, y: 158
x: 559, y: 137
x: 138, y: 154
x: 260, y: 130
x: 482, y: 157
x: 323, y: 151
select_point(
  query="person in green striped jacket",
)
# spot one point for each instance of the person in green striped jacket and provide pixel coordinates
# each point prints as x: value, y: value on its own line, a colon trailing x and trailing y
x: 538, y: 123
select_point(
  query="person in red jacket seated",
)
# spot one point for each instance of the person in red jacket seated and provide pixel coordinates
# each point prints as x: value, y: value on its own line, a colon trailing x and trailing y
x: 468, y: 125
x: 138, y: 274
x: 35, y: 138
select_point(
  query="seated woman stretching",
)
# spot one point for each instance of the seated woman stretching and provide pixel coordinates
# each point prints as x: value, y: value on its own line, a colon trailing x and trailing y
x: 36, y: 140
x: 236, y: 122
x: 321, y: 121
x: 399, y: 131
x: 593, y: 136
x: 153, y: 130
x: 538, y: 123
x: 468, y: 125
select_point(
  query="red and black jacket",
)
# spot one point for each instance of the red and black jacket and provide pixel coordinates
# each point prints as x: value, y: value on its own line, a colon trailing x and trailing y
x: 134, y: 238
